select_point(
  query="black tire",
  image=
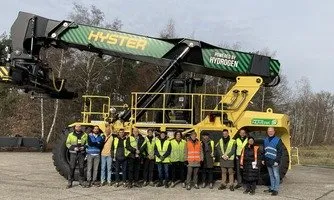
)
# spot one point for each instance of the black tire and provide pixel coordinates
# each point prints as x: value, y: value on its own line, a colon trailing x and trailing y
x: 284, y: 166
x: 60, y: 156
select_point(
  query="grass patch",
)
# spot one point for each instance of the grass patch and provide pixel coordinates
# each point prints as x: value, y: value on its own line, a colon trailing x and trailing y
x: 315, y: 155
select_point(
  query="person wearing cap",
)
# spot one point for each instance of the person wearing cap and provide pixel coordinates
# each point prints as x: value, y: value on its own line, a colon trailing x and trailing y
x: 118, y: 154
x: 194, y: 155
x: 208, y: 146
x: 226, y: 150
x: 250, y: 165
x: 177, y: 158
x: 147, y: 150
x: 241, y: 142
x: 162, y: 151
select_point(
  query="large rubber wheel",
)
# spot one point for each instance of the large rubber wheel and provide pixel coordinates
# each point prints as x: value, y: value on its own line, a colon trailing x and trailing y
x: 284, y: 166
x: 60, y: 156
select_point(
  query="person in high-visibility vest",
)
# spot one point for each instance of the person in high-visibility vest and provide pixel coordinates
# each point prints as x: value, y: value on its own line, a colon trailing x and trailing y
x: 271, y: 157
x: 177, y: 158
x: 208, y: 147
x: 226, y: 149
x: 162, y: 152
x: 76, y: 143
x: 133, y: 144
x: 241, y: 142
x: 194, y: 155
x: 147, y: 150
x: 249, y: 163
x: 118, y: 154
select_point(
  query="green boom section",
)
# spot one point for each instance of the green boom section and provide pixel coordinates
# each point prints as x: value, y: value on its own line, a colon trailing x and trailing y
x: 116, y: 41
x: 233, y: 61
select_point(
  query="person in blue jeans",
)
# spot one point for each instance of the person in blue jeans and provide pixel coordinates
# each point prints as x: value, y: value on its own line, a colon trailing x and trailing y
x: 106, y: 161
x: 271, y: 157
x: 162, y: 152
x: 95, y: 144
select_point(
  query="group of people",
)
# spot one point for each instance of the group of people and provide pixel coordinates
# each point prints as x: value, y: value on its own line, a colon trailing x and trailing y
x: 178, y: 160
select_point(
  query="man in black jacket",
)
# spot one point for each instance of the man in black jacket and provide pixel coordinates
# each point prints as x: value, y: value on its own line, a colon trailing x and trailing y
x: 133, y: 144
x: 271, y: 157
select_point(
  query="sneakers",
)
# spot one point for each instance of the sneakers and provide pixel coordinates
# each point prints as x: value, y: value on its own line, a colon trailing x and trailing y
x: 211, y: 186
x: 117, y: 184
x: 151, y: 184
x: 232, y: 188
x: 246, y: 191
x: 183, y: 185
x: 237, y: 186
x: 173, y: 184
x: 196, y: 186
x: 145, y: 183
x: 159, y: 184
x: 222, y: 187
x: 203, y: 185
x: 268, y: 191
x: 69, y: 185
x: 188, y: 187
x: 274, y: 193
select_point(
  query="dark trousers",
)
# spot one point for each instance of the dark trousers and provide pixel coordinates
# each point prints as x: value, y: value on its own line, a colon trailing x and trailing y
x: 148, y: 170
x: 163, y: 169
x: 207, y: 175
x: 238, y: 170
x: 250, y: 185
x: 133, y: 169
x: 74, y: 159
x: 178, y: 167
x: 119, y: 164
x: 192, y: 174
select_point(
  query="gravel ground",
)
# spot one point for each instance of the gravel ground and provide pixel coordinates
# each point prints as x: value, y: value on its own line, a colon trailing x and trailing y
x: 33, y: 176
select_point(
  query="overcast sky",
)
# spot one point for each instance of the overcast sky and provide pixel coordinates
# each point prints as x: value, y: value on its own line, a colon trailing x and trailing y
x: 300, y: 31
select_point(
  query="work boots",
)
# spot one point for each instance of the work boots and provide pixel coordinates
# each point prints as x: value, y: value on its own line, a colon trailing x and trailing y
x: 166, y: 184
x: 188, y: 187
x: 203, y: 185
x: 232, y: 188
x: 196, y: 186
x: 211, y: 186
x: 159, y: 184
x: 173, y: 184
x: 145, y: 183
x: 151, y: 184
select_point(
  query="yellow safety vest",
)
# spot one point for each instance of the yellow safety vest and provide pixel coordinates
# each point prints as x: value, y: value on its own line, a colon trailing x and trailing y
x: 240, y: 145
x: 162, y: 151
x: 133, y: 144
x: 150, y: 146
x: 228, y: 149
x: 177, y: 153
x: 116, y: 140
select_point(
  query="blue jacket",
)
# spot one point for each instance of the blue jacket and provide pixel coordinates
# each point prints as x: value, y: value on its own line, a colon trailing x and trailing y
x: 95, y: 143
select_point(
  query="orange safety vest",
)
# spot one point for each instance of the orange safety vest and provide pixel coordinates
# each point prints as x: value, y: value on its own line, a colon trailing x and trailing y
x: 243, y: 154
x: 194, y: 151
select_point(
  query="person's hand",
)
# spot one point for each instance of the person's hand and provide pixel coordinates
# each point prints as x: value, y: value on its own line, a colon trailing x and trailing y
x: 82, y: 148
x: 212, y: 155
x: 262, y: 162
x: 275, y: 164
x: 237, y: 158
x: 241, y: 166
x: 76, y: 149
x: 114, y: 159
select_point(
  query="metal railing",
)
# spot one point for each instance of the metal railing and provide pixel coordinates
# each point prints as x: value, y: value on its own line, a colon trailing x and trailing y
x: 191, y: 97
x: 88, y: 111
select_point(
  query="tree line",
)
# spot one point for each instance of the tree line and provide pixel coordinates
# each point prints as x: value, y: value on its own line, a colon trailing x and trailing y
x: 311, y: 113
